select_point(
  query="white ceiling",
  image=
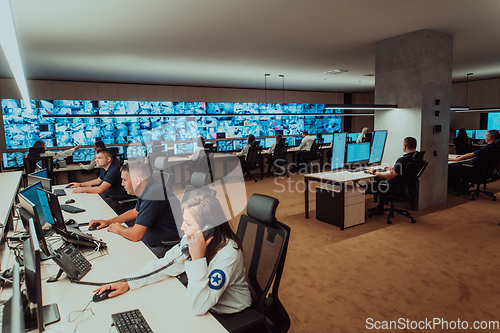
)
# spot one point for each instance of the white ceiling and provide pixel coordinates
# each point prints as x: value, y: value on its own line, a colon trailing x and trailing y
x: 233, y: 43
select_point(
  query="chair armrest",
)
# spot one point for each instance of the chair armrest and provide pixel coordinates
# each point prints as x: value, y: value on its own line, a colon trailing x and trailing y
x: 170, y: 243
x: 121, y: 202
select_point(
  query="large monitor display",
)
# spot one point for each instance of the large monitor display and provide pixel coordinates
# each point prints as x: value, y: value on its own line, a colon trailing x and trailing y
x: 358, y: 153
x: 59, y: 123
x: 378, y: 144
x: 480, y: 134
x: 338, y: 152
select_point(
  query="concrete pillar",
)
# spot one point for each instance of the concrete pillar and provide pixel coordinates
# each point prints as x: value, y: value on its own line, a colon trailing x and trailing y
x: 413, y: 71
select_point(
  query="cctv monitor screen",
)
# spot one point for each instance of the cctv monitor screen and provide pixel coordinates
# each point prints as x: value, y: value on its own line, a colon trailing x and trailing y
x: 327, y: 138
x: 378, y: 145
x: 239, y: 144
x: 358, y: 153
x: 352, y: 137
x: 480, y: 134
x: 268, y: 142
x: 226, y: 145
x: 338, y: 152
x: 470, y: 133
x: 40, y: 173
x: 184, y: 148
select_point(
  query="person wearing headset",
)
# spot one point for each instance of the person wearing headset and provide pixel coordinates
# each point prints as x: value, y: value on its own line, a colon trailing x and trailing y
x: 215, y: 268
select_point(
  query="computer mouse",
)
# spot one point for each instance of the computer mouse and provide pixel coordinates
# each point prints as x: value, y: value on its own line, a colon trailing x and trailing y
x: 70, y: 222
x: 68, y: 186
x: 93, y: 227
x: 70, y: 201
x: 101, y: 297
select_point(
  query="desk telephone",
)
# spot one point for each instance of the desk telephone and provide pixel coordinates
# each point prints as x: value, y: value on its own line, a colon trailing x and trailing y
x: 72, y: 262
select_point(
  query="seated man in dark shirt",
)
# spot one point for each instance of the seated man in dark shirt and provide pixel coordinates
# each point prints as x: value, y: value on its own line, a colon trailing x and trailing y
x: 477, y: 158
x: 157, y: 218
x: 109, y: 181
x: 389, y: 178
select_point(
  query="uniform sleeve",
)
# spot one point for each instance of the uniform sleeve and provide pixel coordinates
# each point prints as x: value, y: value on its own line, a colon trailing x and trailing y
x: 302, y: 143
x: 148, y: 212
x: 206, y: 286
x: 273, y: 147
x: 91, y: 165
x: 398, y: 166
x: 244, y: 151
x: 64, y: 154
x: 482, y: 152
x: 153, y: 265
x: 111, y: 176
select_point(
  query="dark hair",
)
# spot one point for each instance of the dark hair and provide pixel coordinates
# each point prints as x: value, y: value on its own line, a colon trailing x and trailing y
x: 39, y: 143
x: 251, y: 139
x: 99, y: 144
x: 208, y: 212
x: 494, y: 133
x: 106, y: 152
x: 305, y: 133
x: 462, y: 135
x: 278, y: 137
x: 410, y: 142
x: 138, y: 168
x: 200, y: 142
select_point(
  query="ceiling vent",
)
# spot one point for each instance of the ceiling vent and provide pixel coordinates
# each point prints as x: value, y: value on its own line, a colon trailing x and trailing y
x: 369, y: 75
x: 338, y: 71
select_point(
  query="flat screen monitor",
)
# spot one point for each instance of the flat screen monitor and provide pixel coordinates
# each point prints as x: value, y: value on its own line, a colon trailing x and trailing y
x: 46, y: 182
x: 378, y: 144
x: 55, y: 209
x: 83, y: 155
x: 184, y: 148
x: 338, y: 152
x: 268, y: 142
x: 13, y: 310
x: 226, y: 145
x: 41, y: 173
x: 327, y: 138
x: 239, y: 144
x: 44, y: 315
x: 480, y: 134
x: 470, y: 134
x: 135, y: 151
x: 27, y: 211
x: 31, y: 194
x: 358, y: 153
x: 352, y: 137
x: 298, y: 141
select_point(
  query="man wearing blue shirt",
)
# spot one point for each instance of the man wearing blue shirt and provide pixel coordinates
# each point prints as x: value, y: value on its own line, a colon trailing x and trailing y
x: 157, y: 218
x: 109, y: 181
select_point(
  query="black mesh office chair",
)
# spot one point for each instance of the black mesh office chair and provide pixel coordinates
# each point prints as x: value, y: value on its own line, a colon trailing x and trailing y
x: 199, y: 185
x: 265, y: 243
x: 463, y: 147
x: 279, y: 159
x: 252, y: 160
x: 115, y: 152
x: 47, y: 163
x: 485, y: 173
x: 406, y: 188
x: 313, y: 155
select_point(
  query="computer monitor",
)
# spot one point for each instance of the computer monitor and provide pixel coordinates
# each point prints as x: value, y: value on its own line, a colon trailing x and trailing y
x: 46, y: 182
x: 224, y: 146
x: 268, y: 142
x: 338, y: 151
x: 327, y: 138
x: 42, y: 315
x: 41, y: 173
x: 298, y: 141
x: 470, y: 134
x: 31, y: 194
x: 358, y: 153
x: 13, y: 310
x: 239, y: 144
x: 27, y: 211
x: 352, y: 137
x: 480, y: 134
x: 378, y: 144
x: 184, y: 148
x: 55, y: 209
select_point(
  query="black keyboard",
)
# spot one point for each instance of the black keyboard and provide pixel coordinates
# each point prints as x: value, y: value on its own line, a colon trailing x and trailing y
x: 59, y: 192
x: 375, y: 170
x: 72, y: 209
x: 131, y: 322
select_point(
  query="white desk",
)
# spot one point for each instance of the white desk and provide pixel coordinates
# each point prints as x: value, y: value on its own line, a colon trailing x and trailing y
x: 163, y: 304
x: 334, y: 178
x: 10, y: 184
x: 456, y: 162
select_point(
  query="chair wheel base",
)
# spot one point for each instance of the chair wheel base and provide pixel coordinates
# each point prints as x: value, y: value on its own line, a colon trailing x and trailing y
x: 413, y: 221
x: 494, y: 198
x: 389, y: 222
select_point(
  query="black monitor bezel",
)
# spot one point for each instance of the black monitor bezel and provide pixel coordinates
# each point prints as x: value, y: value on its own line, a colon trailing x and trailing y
x: 13, y: 321
x: 358, y: 161
x: 55, y: 209
x: 383, y: 148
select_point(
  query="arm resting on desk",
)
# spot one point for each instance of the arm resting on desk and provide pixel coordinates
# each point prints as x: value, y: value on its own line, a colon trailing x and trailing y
x: 133, y: 234
x: 128, y: 216
x: 389, y: 174
x: 103, y: 187
x: 462, y: 157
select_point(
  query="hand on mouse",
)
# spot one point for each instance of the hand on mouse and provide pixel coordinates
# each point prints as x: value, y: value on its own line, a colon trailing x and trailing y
x: 73, y: 185
x: 100, y: 223
x: 119, y: 288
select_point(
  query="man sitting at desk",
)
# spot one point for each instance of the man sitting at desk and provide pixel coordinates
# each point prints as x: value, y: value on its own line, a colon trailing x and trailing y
x: 389, y: 178
x: 109, y: 181
x: 97, y: 146
x: 477, y: 158
x: 156, y: 217
x: 306, y: 143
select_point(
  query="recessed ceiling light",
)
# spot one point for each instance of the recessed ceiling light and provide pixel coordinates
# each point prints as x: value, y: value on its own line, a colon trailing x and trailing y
x: 338, y: 71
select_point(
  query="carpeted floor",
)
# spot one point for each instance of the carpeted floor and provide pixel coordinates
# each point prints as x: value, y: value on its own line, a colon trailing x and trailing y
x: 444, y: 266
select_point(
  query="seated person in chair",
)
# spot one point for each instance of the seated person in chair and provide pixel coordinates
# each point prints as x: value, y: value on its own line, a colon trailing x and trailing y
x: 63, y: 154
x: 198, y: 161
x: 477, y: 158
x: 108, y: 183
x: 305, y: 144
x: 388, y: 179
x: 156, y: 217
x: 243, y: 153
x: 97, y: 145
x: 215, y: 269
x: 270, y: 154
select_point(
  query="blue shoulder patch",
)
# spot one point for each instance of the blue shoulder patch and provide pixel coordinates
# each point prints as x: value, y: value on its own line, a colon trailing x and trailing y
x: 216, y: 279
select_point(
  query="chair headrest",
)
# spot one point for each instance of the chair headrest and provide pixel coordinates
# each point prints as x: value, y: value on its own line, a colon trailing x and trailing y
x: 418, y: 156
x: 157, y: 149
x: 255, y: 143
x: 282, y: 141
x: 160, y: 162
x: 156, y: 176
x: 199, y: 179
x: 497, y: 143
x: 262, y: 208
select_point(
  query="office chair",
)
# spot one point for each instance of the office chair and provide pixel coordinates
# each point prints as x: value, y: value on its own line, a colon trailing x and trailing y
x: 278, y: 159
x: 199, y: 165
x: 252, y: 160
x: 199, y: 185
x: 406, y: 188
x: 265, y: 243
x: 313, y: 155
x: 485, y: 173
x: 115, y: 152
x: 463, y: 147
x: 47, y: 163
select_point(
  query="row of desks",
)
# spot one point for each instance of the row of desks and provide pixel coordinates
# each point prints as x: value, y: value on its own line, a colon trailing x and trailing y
x: 163, y: 304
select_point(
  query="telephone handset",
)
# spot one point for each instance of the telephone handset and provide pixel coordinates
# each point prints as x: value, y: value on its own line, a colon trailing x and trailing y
x: 71, y: 261
x: 207, y: 233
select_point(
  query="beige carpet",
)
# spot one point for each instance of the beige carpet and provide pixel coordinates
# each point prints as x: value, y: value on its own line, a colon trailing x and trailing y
x: 444, y: 266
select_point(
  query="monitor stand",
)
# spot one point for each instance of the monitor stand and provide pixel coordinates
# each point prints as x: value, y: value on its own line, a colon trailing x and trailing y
x: 50, y: 315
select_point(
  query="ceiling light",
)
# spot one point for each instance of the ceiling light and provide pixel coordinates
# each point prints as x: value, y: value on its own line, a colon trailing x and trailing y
x: 369, y: 75
x: 8, y: 41
x: 495, y: 109
x: 361, y: 106
x: 459, y: 108
x: 337, y: 71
